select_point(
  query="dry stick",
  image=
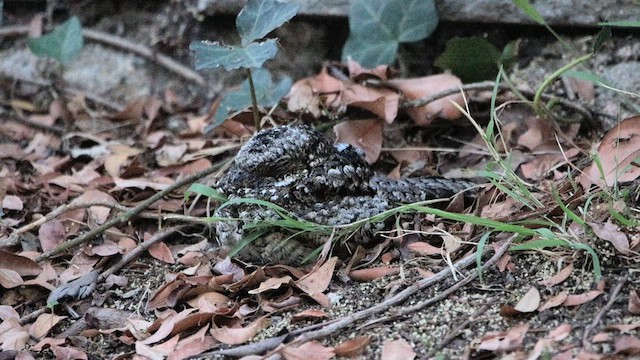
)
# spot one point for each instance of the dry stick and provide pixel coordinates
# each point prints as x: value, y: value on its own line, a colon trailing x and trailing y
x: 612, y: 298
x: 139, y: 250
x: 488, y: 85
x: 129, y: 214
x: 332, y: 326
x: 118, y: 42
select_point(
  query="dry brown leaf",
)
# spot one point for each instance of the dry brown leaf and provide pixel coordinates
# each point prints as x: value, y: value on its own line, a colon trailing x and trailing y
x: 10, y: 279
x: 602, y: 337
x: 419, y: 88
x: 634, y: 302
x: 611, y: 233
x: 353, y: 347
x: 98, y: 214
x: 310, y: 314
x: 628, y: 345
x: 43, y: 324
x: 365, y: 135
x: 311, y: 350
x: 381, y: 102
x: 235, y: 336
x: 556, y: 279
x: 271, y: 284
x: 529, y: 302
x: 426, y: 249
x: 318, y: 279
x: 579, y: 299
x: 617, y: 154
x: 397, y: 350
x: 505, y: 341
x: 12, y: 202
x: 371, y: 274
x: 68, y: 353
x: 161, y: 251
x: 20, y: 264
x: 51, y: 234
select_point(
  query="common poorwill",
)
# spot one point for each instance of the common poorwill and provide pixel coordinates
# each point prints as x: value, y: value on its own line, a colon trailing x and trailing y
x: 301, y: 170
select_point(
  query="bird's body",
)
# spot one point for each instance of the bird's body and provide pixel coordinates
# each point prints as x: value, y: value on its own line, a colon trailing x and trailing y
x: 302, y: 171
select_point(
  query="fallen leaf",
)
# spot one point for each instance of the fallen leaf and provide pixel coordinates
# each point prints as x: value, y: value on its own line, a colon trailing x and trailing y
x: 235, y: 336
x: 554, y: 301
x: 20, y: 264
x: 529, y: 302
x: 424, y: 87
x: 371, y: 274
x: 579, y: 299
x: 318, y: 279
x: 43, y: 324
x: 617, y: 155
x: 365, y: 135
x: 311, y: 350
x: 504, y: 341
x: 397, y: 350
x: 271, y: 284
x: 611, y: 233
x: 381, y: 102
x: 556, y: 279
x: 12, y: 202
x: 10, y: 279
x: 353, y: 347
x: 68, y: 353
x: 634, y: 302
x: 51, y: 234
x: 627, y: 345
x: 310, y: 314
x: 161, y: 252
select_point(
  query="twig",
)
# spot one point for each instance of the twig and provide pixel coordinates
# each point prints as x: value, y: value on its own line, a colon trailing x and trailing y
x: 488, y: 85
x: 612, y: 298
x: 129, y: 214
x: 118, y: 42
x: 331, y: 327
x: 139, y: 250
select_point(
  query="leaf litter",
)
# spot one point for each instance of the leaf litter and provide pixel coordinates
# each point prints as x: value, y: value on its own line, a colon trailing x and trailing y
x: 195, y: 300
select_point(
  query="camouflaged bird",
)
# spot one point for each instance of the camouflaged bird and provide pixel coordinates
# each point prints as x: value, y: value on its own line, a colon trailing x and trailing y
x: 301, y: 170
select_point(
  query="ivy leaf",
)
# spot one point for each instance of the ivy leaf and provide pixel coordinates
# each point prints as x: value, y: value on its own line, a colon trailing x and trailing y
x: 62, y: 44
x: 383, y: 24
x: 471, y: 59
x: 381, y: 52
x: 260, y: 17
x: 268, y: 95
x: 210, y: 55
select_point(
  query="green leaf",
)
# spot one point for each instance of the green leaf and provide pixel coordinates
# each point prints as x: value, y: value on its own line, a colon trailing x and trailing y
x: 211, y: 55
x: 268, y: 95
x: 382, y: 24
x: 260, y: 17
x: 588, y: 76
x: 371, y: 54
x: 623, y: 23
x: 205, y: 190
x: 62, y: 44
x: 526, y: 6
x: 471, y: 59
x: 603, y: 35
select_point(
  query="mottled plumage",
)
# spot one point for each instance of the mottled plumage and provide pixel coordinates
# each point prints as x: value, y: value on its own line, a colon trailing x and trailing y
x: 302, y: 171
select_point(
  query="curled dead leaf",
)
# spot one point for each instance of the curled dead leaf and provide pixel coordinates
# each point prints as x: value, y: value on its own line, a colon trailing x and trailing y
x: 365, y: 135
x: 529, y: 302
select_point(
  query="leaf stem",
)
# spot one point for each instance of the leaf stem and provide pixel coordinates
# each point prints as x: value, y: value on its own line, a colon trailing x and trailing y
x: 254, y: 101
x: 548, y: 81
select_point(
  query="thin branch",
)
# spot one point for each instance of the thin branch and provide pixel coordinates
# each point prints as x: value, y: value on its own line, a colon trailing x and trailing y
x: 123, y: 44
x: 129, y: 214
x: 332, y: 327
x: 612, y: 298
x: 488, y: 85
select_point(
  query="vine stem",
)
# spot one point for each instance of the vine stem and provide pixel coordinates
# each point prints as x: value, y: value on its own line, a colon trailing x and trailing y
x: 547, y: 82
x: 254, y: 100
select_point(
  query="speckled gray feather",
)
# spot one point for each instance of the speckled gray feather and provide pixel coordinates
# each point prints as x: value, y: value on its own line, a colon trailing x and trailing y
x: 302, y: 171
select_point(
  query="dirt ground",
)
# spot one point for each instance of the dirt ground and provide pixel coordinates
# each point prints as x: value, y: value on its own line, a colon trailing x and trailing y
x: 119, y: 127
